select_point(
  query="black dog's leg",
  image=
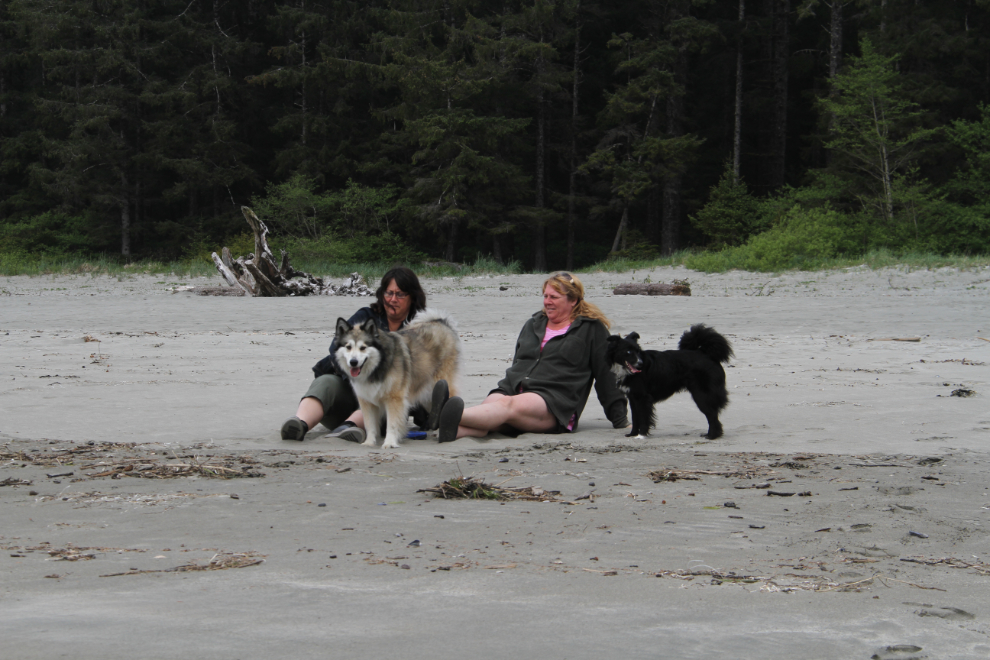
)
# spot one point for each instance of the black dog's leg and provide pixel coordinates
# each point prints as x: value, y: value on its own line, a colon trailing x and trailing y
x: 642, y: 416
x: 707, y: 403
x: 714, y: 427
x: 636, y: 414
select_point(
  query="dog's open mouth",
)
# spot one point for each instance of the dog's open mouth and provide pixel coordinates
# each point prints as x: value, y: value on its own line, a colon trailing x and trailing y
x: 355, y: 372
x: 632, y: 369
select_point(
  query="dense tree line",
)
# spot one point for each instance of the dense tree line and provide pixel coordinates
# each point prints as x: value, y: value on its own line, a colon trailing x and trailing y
x: 548, y: 132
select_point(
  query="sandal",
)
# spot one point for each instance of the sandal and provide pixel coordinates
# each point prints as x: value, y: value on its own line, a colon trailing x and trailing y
x: 450, y: 419
x: 441, y: 394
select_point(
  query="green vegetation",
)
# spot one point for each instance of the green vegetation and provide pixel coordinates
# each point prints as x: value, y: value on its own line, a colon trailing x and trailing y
x: 114, y: 266
x: 536, y: 135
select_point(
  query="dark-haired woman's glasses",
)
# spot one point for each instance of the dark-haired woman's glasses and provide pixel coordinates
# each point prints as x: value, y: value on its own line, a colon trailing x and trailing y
x: 398, y: 295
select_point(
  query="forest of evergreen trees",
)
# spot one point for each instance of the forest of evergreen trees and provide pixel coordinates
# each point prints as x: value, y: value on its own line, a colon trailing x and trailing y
x: 552, y: 133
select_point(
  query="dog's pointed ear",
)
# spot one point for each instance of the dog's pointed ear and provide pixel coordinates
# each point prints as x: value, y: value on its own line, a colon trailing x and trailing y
x: 614, y: 338
x: 633, y: 337
x: 371, y: 328
x: 343, y: 327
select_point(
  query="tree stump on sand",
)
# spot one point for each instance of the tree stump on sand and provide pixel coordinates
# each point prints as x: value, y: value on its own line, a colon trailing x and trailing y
x: 257, y: 275
x: 658, y: 289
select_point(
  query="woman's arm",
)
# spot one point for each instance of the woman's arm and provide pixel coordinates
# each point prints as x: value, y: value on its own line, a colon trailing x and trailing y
x: 609, y: 395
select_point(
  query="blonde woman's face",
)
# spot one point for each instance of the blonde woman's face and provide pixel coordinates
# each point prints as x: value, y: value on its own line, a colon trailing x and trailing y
x: 557, y: 306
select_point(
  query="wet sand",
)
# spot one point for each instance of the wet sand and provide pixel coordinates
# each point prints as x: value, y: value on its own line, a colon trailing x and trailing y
x: 670, y: 546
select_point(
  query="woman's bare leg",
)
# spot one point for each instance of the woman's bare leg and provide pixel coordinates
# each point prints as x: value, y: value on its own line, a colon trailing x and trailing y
x: 310, y: 411
x: 526, y: 412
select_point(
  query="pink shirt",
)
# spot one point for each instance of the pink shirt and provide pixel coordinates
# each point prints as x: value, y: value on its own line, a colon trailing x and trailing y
x: 550, y: 334
x: 547, y: 336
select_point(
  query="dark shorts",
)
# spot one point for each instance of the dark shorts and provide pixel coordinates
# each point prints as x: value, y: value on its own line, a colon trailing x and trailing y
x: 337, y: 398
x: 513, y: 432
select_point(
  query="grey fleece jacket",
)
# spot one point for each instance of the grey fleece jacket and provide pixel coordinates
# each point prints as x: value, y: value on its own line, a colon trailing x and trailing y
x: 563, y: 372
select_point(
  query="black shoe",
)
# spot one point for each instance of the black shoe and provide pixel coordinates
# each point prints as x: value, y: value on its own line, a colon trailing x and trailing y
x: 450, y: 419
x: 294, y: 429
x: 441, y: 394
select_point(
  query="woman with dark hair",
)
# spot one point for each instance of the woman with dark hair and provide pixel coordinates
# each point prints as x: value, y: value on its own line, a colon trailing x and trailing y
x: 559, y: 353
x: 330, y: 398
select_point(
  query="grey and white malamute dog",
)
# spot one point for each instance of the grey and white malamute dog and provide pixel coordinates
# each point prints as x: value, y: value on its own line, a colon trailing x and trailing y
x: 392, y: 371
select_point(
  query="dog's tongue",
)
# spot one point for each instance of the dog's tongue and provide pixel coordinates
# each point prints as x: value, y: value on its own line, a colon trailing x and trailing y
x: 355, y: 372
x: 632, y: 369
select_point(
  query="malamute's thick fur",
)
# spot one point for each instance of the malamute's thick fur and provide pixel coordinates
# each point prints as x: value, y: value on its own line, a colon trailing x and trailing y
x: 392, y: 371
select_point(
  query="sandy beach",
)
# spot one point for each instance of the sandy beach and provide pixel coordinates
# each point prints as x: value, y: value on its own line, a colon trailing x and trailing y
x: 150, y: 510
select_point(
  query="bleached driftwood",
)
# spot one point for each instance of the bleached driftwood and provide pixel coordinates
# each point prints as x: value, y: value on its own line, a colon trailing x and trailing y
x: 258, y: 275
x: 228, y: 274
x: 655, y: 289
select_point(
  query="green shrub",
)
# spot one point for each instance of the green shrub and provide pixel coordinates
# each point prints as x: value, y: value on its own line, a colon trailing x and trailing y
x: 731, y: 214
x: 955, y: 229
x: 637, y: 248
x: 384, y: 247
x: 51, y: 234
x: 804, y: 238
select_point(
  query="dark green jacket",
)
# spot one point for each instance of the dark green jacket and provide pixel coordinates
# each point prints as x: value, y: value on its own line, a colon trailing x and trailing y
x: 563, y: 372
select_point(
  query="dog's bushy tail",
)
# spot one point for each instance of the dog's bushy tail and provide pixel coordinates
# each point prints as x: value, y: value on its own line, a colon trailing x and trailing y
x: 702, y: 338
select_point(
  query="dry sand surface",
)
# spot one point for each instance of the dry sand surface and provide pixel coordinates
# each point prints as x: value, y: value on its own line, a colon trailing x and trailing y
x: 150, y: 510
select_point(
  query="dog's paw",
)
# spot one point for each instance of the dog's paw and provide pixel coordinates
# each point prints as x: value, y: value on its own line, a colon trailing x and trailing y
x: 640, y: 437
x: 370, y: 442
x: 390, y: 444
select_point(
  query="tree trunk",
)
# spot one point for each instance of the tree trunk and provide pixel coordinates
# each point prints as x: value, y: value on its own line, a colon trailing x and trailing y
x: 3, y: 87
x: 654, y: 212
x: 670, y: 232
x: 125, y: 219
x: 671, y: 215
x: 737, y: 132
x: 835, y: 40
x: 451, y: 241
x: 302, y: 136
x: 622, y: 227
x: 540, y: 231
x: 779, y: 67
x: 572, y: 182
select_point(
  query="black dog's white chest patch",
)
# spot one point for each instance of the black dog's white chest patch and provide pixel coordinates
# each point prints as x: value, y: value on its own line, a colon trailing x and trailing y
x: 620, y: 377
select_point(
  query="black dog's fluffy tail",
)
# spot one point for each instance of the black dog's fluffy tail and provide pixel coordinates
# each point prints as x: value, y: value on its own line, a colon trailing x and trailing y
x: 702, y: 338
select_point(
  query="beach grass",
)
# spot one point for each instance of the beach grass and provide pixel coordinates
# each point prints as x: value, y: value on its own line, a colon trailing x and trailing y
x: 722, y: 262
x: 116, y: 266
x: 706, y: 262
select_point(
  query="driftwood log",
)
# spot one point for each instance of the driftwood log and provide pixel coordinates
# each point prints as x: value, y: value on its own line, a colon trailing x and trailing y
x: 656, y: 289
x: 258, y: 275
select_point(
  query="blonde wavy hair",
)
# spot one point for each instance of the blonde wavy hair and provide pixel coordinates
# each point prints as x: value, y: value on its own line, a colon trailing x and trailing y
x: 568, y: 284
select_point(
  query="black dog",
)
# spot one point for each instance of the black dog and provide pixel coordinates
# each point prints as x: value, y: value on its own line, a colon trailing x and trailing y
x: 651, y: 376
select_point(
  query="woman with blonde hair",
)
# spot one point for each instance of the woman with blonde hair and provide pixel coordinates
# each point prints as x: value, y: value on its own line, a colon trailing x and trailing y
x: 559, y: 354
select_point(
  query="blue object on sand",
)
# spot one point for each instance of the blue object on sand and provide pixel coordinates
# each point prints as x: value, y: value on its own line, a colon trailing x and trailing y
x: 416, y: 435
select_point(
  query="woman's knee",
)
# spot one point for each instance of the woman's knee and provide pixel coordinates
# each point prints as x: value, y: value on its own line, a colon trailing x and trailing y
x: 528, y: 406
x: 493, y: 397
x: 327, y: 389
x: 335, y: 395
